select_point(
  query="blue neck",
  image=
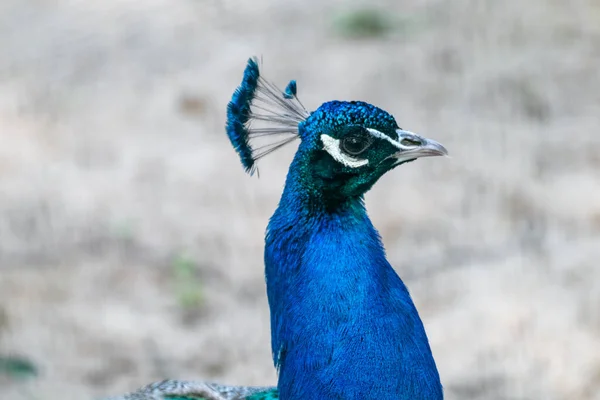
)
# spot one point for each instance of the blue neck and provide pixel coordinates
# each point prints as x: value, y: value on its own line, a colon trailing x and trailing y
x: 343, y: 324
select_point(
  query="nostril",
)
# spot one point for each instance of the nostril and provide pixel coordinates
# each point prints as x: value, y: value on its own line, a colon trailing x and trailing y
x: 411, y: 142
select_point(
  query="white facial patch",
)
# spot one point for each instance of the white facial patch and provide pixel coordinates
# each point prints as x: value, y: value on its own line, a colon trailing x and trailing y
x: 401, y: 135
x: 332, y: 146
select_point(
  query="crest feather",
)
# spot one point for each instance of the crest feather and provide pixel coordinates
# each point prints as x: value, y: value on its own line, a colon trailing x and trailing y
x: 279, y: 113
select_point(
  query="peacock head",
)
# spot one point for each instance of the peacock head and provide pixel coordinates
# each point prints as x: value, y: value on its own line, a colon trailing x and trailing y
x: 345, y: 146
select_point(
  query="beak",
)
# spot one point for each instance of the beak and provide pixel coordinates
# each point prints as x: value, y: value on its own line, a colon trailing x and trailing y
x: 413, y: 146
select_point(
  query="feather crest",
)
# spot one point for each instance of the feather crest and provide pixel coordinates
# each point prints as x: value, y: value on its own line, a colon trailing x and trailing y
x: 277, y: 113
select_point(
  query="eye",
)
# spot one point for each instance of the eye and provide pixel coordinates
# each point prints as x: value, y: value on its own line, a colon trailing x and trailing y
x: 355, y: 144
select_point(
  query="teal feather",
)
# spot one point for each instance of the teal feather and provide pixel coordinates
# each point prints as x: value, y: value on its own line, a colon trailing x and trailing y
x: 196, y: 390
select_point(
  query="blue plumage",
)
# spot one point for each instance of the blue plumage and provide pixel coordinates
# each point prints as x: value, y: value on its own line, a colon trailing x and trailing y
x: 290, y: 90
x: 238, y: 114
x: 343, y: 325
x: 336, y: 114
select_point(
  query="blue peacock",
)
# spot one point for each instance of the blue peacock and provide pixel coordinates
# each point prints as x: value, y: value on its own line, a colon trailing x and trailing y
x: 343, y: 325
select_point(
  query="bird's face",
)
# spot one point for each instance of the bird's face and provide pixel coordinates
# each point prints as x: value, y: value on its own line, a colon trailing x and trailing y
x: 350, y: 145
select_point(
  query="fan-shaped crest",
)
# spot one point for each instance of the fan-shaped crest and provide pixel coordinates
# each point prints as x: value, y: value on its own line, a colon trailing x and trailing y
x: 259, y: 109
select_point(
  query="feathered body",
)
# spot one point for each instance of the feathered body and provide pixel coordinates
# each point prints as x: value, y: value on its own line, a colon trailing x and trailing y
x: 343, y: 325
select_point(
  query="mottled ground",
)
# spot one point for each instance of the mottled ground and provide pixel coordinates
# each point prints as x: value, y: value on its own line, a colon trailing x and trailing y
x: 131, y: 239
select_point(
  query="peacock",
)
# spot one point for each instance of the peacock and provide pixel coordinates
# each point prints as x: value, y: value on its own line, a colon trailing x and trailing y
x: 343, y: 324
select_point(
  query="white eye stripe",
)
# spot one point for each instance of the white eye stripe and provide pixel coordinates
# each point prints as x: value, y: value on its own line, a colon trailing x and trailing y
x: 396, y: 143
x: 332, y: 146
x: 380, y: 135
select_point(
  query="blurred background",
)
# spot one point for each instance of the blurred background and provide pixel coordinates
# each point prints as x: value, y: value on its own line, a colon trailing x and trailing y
x: 131, y: 240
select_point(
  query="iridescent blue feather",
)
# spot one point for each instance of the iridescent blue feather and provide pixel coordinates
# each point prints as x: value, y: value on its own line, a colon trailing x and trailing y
x: 290, y: 90
x: 238, y: 114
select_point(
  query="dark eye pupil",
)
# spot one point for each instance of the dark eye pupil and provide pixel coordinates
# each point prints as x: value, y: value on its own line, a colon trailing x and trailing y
x: 354, y: 144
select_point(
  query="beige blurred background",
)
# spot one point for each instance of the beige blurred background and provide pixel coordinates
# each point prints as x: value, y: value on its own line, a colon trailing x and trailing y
x: 131, y: 239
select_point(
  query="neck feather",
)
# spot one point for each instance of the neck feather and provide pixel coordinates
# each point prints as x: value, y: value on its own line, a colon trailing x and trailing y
x: 343, y: 323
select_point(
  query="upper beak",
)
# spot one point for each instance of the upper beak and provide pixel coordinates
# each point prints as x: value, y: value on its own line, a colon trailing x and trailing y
x: 413, y: 146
